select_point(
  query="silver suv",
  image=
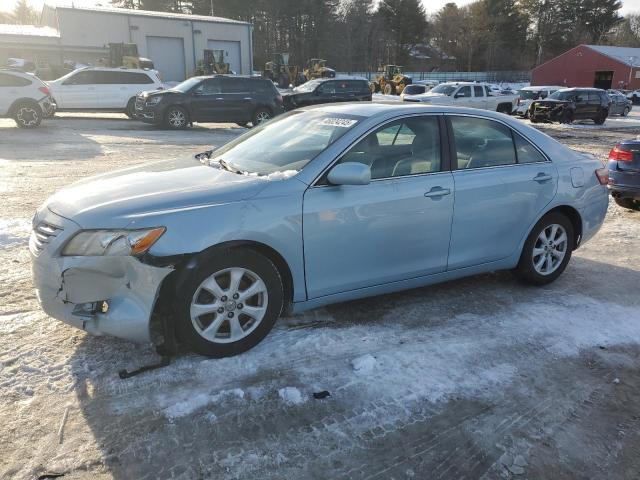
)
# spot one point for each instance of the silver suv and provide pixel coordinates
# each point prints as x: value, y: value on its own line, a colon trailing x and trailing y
x: 25, y: 98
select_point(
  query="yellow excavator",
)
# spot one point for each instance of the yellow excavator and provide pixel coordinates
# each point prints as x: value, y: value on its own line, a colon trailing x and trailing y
x: 317, y: 68
x: 281, y: 73
x: 391, y: 82
x: 126, y: 55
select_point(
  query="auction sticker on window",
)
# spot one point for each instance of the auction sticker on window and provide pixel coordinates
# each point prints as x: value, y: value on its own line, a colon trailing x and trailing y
x: 338, y: 122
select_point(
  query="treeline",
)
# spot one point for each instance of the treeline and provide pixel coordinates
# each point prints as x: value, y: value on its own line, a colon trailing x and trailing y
x: 360, y: 35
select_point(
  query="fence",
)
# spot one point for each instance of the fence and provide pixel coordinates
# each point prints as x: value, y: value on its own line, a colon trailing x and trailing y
x: 516, y: 76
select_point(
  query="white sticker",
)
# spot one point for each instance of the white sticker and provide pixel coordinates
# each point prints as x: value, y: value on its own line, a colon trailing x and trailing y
x: 338, y: 122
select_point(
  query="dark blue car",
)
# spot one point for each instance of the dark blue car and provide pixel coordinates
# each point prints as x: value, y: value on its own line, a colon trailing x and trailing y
x: 624, y: 174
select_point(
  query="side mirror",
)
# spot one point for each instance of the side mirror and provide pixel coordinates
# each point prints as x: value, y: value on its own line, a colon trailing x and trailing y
x: 458, y: 95
x: 350, y: 173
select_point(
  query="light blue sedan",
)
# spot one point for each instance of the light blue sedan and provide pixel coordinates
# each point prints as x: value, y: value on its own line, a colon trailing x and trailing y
x: 318, y: 206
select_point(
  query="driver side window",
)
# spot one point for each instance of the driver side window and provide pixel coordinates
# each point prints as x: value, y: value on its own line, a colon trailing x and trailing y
x: 405, y: 147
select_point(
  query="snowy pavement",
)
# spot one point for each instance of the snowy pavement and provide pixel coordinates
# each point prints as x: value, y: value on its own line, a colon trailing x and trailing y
x: 476, y: 378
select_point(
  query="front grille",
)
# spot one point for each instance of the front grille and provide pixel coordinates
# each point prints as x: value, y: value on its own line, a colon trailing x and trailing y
x: 43, y: 234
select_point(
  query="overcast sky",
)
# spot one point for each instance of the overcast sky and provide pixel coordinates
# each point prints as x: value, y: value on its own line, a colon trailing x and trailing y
x: 430, y: 5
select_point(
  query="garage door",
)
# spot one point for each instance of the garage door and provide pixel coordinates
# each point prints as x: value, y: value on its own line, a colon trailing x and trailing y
x: 231, y: 52
x: 167, y: 54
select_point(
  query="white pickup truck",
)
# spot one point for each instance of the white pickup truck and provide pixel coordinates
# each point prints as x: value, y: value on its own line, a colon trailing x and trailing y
x: 466, y: 94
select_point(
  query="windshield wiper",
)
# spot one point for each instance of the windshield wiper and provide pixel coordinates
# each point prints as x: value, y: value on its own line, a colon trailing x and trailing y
x: 228, y: 166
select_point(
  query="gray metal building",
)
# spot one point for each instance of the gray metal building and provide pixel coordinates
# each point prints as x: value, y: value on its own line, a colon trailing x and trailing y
x: 175, y: 42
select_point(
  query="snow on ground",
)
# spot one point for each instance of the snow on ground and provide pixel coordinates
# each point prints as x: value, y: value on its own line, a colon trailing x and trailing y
x: 477, y: 378
x: 14, y: 231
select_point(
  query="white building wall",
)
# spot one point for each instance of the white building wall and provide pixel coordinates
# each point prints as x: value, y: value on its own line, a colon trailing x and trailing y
x: 88, y: 28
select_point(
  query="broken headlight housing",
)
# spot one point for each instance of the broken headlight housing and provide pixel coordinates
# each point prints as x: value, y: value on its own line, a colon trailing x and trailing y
x: 112, y: 242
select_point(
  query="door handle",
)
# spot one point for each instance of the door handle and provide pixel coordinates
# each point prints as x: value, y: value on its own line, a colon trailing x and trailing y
x: 247, y: 98
x: 542, y: 177
x: 437, y: 192
x: 219, y: 98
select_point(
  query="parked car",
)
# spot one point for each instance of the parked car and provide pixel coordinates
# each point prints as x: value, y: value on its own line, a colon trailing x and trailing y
x: 324, y: 90
x: 529, y: 94
x: 620, y: 104
x: 466, y: 94
x: 634, y: 96
x: 571, y: 104
x: 323, y: 204
x: 624, y: 174
x: 217, y: 98
x: 414, y: 89
x: 102, y: 89
x: 25, y: 98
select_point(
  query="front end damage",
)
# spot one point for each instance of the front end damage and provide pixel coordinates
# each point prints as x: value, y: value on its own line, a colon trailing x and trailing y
x: 546, y: 111
x: 102, y: 295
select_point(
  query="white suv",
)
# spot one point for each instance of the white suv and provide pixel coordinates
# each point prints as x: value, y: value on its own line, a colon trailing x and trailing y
x: 98, y: 88
x: 25, y: 98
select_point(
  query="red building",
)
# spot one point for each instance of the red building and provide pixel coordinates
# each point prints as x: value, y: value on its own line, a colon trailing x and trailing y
x: 597, y: 66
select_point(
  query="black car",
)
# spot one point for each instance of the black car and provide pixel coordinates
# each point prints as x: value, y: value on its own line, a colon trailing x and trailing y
x: 624, y: 174
x: 218, y: 98
x: 571, y: 104
x: 324, y: 90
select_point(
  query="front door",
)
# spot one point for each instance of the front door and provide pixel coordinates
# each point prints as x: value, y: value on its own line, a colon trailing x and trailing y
x: 502, y: 183
x: 208, y: 103
x: 396, y: 227
x: 78, y: 91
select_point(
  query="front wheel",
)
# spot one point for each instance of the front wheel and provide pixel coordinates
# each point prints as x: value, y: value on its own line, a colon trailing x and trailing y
x: 28, y: 115
x: 130, y: 111
x: 260, y: 116
x: 625, y: 112
x: 547, y: 250
x: 229, y: 303
x: 176, y: 118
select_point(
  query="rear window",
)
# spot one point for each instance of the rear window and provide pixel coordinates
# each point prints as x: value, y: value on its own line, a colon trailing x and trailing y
x: 236, y: 85
x: 8, y: 80
x: 121, y: 78
x: 414, y: 89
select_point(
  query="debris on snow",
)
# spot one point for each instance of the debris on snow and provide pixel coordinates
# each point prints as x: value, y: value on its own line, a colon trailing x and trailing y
x: 62, y: 424
x: 321, y: 395
x: 364, y: 364
x: 616, y: 381
x: 291, y: 395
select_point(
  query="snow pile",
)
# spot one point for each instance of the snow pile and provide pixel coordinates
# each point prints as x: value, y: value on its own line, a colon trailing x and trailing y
x: 291, y: 395
x: 14, y: 231
x: 364, y: 364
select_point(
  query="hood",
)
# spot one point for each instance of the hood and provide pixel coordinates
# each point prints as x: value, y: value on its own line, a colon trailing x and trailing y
x: 112, y: 200
x: 551, y: 102
x: 428, y: 97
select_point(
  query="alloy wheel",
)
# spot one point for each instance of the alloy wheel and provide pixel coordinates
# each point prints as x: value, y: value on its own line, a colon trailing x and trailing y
x: 177, y: 118
x: 549, y: 249
x: 262, y: 117
x: 229, y: 305
x: 27, y: 116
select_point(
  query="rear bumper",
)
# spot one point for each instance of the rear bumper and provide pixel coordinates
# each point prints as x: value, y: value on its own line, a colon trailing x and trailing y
x: 624, y: 183
x: 75, y: 290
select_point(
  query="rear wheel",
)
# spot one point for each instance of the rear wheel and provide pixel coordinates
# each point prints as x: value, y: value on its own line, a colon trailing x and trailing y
x: 130, y: 111
x: 229, y: 303
x: 27, y: 115
x: 260, y: 116
x: 176, y: 118
x: 389, y: 89
x: 547, y: 250
x: 629, y: 203
x: 600, y: 119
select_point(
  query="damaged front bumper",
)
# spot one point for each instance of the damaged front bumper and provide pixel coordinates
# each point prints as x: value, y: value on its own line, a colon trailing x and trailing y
x: 110, y: 295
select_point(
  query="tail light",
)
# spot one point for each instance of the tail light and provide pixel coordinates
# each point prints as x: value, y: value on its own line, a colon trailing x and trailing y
x: 44, y: 90
x: 603, y: 175
x: 619, y: 154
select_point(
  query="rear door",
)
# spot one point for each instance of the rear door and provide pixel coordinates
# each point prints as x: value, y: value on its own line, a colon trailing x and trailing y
x: 502, y: 183
x: 124, y: 86
x: 326, y: 93
x: 11, y: 87
x: 239, y: 100
x: 479, y: 100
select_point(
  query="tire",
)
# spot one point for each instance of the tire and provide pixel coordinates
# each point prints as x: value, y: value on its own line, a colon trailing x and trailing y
x: 600, y: 119
x: 629, y: 203
x: 27, y: 114
x: 389, y: 90
x: 130, y: 111
x: 260, y: 116
x: 567, y: 117
x: 503, y: 108
x: 534, y: 267
x: 625, y: 112
x: 209, y: 283
x: 176, y: 118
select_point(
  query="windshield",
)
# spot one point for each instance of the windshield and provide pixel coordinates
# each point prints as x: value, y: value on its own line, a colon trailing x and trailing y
x: 414, y: 89
x: 445, y: 89
x: 284, y: 145
x: 529, y: 94
x: 562, y: 95
x: 187, y: 85
x: 308, y: 86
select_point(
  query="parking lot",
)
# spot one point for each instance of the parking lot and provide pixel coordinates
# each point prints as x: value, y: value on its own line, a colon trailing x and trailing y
x: 476, y: 378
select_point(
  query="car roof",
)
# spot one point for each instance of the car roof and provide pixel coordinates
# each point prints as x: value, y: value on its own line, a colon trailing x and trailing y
x: 542, y: 87
x: 116, y: 69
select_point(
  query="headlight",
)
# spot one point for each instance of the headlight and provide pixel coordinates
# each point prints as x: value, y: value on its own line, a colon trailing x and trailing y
x: 112, y: 242
x: 153, y: 100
